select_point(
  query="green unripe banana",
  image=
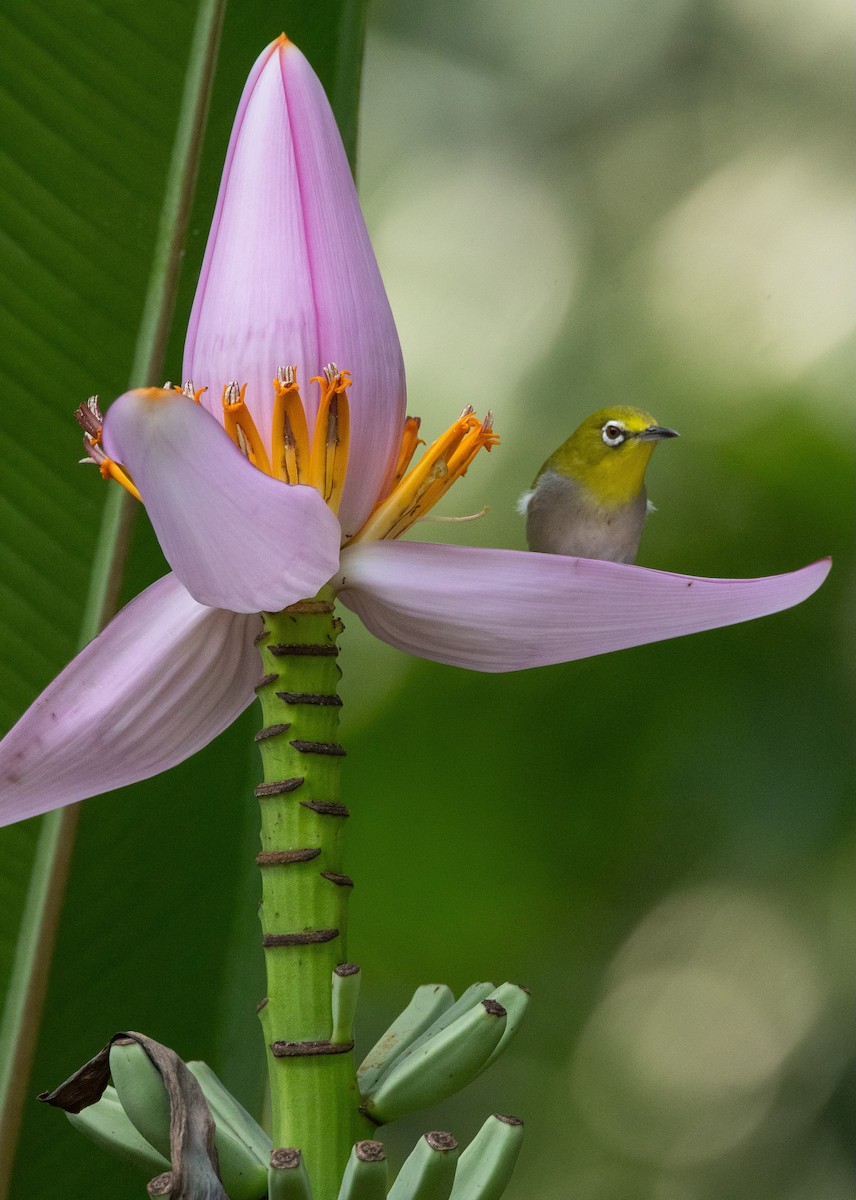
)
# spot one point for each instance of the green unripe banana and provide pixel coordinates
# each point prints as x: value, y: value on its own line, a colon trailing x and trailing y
x: 442, y: 1065
x: 287, y: 1178
x: 485, y: 1167
x: 428, y: 1002
x: 143, y: 1096
x: 141, y: 1093
x: 366, y: 1174
x: 429, y: 1171
x: 346, y: 991
x: 230, y: 1116
x: 466, y: 1001
x: 514, y: 999
x: 106, y: 1123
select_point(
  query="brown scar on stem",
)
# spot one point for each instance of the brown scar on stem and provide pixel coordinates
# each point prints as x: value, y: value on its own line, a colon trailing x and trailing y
x: 312, y: 937
x: 339, y: 880
x: 308, y: 1049
x: 284, y: 858
x: 265, y: 680
x: 304, y: 650
x: 331, y: 748
x: 278, y: 787
x: 270, y: 731
x: 327, y: 808
x: 343, y: 970
x: 310, y: 698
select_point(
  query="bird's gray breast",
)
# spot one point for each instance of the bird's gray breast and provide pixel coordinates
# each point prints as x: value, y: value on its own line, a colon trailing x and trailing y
x: 563, y: 518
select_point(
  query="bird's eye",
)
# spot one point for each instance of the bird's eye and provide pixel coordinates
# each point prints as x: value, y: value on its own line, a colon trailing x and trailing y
x: 613, y: 433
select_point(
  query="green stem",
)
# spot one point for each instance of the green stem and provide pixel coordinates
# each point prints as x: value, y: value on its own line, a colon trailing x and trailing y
x: 304, y: 909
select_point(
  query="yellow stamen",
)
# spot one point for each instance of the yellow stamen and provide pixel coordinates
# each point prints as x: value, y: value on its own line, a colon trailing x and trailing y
x: 241, y: 427
x: 410, y: 439
x: 445, y: 460
x: 469, y: 446
x: 290, y: 432
x: 111, y: 470
x: 328, y: 463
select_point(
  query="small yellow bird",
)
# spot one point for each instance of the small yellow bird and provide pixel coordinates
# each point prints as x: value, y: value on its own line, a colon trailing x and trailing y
x: 589, y: 497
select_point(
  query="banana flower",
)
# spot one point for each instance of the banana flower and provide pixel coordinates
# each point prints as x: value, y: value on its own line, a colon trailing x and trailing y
x: 284, y: 466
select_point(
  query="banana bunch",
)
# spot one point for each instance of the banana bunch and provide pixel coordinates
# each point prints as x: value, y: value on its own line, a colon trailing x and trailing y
x: 433, y: 1170
x: 437, y: 1046
x: 433, y: 1049
x: 132, y: 1120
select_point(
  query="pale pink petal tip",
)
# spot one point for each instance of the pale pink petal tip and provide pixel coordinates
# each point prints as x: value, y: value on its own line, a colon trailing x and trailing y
x: 161, y: 681
x: 503, y: 610
x: 235, y: 537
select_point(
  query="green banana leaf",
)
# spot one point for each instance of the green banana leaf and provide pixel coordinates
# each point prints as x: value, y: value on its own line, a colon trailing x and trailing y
x: 97, y: 104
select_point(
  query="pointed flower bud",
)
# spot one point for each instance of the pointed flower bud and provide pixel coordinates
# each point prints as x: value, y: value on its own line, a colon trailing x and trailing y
x: 289, y: 275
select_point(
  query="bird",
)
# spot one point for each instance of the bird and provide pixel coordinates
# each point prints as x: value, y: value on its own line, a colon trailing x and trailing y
x: 589, y: 498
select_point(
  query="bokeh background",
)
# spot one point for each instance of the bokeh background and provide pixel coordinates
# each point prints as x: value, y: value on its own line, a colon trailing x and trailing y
x: 572, y: 205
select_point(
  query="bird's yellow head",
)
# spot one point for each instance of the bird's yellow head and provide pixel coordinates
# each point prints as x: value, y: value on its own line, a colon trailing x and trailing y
x: 609, y: 452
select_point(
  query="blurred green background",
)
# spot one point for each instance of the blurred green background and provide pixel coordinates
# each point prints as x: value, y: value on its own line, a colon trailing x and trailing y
x: 571, y: 205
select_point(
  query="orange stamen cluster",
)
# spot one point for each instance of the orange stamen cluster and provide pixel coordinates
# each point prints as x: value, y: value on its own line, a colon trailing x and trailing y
x: 324, y: 465
x: 415, y: 492
x: 322, y: 462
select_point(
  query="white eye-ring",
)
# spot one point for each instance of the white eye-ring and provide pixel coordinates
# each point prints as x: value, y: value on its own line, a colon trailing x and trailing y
x: 614, y: 433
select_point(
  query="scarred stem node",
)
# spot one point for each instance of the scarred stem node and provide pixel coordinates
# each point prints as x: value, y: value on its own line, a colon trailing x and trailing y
x: 314, y: 1096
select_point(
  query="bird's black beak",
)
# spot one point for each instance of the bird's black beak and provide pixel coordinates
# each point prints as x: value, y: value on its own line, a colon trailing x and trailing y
x: 655, y: 432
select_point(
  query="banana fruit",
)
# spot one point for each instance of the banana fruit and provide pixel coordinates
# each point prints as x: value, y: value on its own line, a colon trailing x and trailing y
x: 438, y: 1045
x: 429, y: 1171
x: 242, y: 1147
x: 485, y: 1167
x: 107, y: 1124
x: 439, y: 1065
x: 366, y: 1174
x: 514, y: 998
x: 287, y: 1178
x: 346, y: 991
x: 474, y: 993
x: 428, y: 1002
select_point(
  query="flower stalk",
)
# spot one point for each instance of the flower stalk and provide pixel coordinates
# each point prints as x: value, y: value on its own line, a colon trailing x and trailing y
x: 304, y: 908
